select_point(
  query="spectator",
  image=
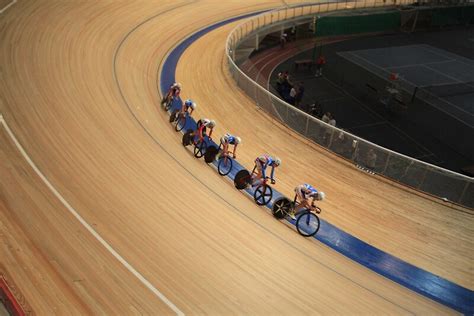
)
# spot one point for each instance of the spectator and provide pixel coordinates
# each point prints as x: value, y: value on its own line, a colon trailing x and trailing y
x: 293, y: 33
x: 283, y: 40
x: 316, y: 109
x: 279, y: 82
x: 326, y: 117
x: 292, y: 97
x: 319, y: 65
x: 299, y: 94
x: 332, y: 121
x: 371, y: 159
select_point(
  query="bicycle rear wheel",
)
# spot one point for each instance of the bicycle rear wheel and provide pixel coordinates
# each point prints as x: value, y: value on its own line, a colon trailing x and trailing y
x: 281, y: 208
x: 187, y: 138
x: 263, y: 194
x: 307, y: 224
x: 200, y: 149
x: 211, y: 154
x: 224, y: 166
x: 242, y: 179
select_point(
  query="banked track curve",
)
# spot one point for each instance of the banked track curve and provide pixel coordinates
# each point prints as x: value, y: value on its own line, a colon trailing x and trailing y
x: 201, y: 262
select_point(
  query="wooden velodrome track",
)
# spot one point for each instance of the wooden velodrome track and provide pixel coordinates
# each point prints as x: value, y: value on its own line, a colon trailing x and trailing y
x: 79, y: 92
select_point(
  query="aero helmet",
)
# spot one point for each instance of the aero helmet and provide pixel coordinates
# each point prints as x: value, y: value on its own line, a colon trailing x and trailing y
x: 321, y: 195
x: 212, y: 123
x: 277, y: 161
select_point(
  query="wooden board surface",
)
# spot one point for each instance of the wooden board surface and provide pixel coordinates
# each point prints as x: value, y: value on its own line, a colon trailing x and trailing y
x: 79, y: 91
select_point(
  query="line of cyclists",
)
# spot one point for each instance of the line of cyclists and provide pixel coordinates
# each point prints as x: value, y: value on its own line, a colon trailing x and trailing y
x: 305, y: 194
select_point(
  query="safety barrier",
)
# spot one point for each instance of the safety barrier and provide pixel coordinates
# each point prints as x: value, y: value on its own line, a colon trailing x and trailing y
x: 429, y: 178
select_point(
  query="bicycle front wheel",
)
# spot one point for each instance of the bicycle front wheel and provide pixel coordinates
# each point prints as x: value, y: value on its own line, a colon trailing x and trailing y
x: 263, y: 194
x: 224, y: 166
x: 180, y: 123
x: 200, y: 149
x: 307, y: 224
x: 168, y: 104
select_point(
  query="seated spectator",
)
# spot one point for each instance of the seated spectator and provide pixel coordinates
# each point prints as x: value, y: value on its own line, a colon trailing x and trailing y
x: 332, y: 120
x: 326, y: 117
x: 299, y: 94
x: 316, y: 110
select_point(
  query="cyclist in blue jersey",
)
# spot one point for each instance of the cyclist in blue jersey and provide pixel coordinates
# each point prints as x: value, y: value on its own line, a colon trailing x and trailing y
x: 227, y: 140
x: 306, y: 195
x: 261, y: 164
x: 187, y: 106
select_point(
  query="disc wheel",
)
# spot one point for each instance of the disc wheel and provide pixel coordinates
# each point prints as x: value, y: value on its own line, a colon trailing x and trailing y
x: 263, y: 194
x: 211, y: 154
x: 224, y: 166
x: 307, y: 224
x: 242, y: 179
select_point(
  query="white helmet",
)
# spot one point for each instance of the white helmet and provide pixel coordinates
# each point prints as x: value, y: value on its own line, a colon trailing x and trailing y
x: 321, y: 195
x: 237, y: 140
x: 211, y: 124
x: 194, y: 105
x: 277, y: 161
x: 178, y: 85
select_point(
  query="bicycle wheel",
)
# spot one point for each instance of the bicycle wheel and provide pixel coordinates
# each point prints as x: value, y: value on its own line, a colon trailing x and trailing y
x: 188, y: 138
x: 242, y: 179
x: 224, y: 166
x: 211, y: 154
x: 263, y: 194
x: 200, y: 149
x: 168, y: 104
x: 281, y: 208
x: 173, y: 116
x: 180, y: 123
x: 307, y: 224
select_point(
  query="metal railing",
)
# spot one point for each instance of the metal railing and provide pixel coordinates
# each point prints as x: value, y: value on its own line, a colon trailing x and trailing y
x: 429, y: 178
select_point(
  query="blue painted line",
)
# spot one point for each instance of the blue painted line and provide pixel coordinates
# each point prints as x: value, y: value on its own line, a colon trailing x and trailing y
x: 414, y: 278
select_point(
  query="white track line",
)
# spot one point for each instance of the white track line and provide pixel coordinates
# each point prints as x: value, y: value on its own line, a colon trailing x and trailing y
x: 87, y: 226
x: 7, y: 6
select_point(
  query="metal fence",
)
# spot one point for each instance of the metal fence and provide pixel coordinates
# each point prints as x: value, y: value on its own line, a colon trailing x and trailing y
x: 414, y: 173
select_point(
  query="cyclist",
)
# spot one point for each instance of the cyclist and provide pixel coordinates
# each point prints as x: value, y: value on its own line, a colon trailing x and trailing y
x: 173, y: 92
x: 227, y: 140
x: 188, y: 104
x: 261, y: 164
x: 306, y: 195
x: 202, y: 124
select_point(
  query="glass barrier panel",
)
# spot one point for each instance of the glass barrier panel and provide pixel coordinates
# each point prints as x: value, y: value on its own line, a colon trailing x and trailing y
x: 369, y: 156
x: 319, y: 132
x: 467, y: 197
x: 396, y: 167
x: 265, y: 101
x: 343, y: 144
x: 443, y: 184
x: 281, y: 110
x: 297, y: 121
